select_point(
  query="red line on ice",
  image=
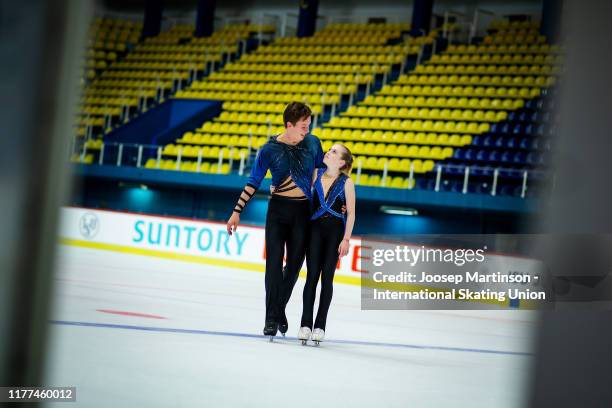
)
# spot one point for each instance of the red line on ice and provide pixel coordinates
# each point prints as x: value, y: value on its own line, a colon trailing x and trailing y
x: 119, y: 312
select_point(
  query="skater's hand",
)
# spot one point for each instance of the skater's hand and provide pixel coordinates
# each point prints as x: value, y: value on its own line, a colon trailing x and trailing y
x: 272, y: 189
x: 343, y: 248
x: 343, y: 209
x: 232, y: 223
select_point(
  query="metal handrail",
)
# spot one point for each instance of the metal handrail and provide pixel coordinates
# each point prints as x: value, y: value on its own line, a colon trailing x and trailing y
x: 285, y: 23
x: 468, y: 170
x: 475, y: 21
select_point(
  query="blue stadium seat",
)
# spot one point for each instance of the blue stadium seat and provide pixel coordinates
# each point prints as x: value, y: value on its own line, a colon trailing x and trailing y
x: 469, y: 155
x: 500, y: 142
x: 533, y: 158
x: 505, y: 190
x: 480, y: 188
x: 494, y: 156
x: 519, y: 158
x: 457, y: 186
x: 455, y: 170
x: 482, y: 172
x: 421, y: 183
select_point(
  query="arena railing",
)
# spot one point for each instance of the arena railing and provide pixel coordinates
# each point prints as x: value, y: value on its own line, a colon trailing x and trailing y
x: 136, y: 155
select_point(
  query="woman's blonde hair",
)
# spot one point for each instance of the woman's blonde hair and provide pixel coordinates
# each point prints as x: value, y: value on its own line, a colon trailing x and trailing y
x: 347, y: 156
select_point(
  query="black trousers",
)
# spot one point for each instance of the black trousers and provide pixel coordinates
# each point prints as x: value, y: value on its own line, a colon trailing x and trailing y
x: 287, y: 225
x: 321, y: 260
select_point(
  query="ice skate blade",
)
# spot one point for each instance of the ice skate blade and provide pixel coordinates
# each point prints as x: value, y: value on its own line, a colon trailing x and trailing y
x: 304, y: 342
x: 317, y: 343
x: 271, y: 339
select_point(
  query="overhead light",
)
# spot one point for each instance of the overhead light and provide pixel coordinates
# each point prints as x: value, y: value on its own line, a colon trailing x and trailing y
x: 387, y: 209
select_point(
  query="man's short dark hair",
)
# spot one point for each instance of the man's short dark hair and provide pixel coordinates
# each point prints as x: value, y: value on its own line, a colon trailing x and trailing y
x: 296, y: 111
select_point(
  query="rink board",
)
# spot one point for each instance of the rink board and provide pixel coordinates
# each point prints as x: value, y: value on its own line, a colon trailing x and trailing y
x: 206, y: 242
x: 179, y: 238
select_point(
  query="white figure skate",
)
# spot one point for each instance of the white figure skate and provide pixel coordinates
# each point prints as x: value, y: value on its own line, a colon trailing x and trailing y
x: 304, y: 334
x: 317, y: 336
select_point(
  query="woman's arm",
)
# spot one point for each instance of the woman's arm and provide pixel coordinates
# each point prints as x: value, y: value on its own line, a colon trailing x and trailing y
x: 349, y: 194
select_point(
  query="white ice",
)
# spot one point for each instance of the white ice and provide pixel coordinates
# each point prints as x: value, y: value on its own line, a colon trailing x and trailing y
x: 219, y: 359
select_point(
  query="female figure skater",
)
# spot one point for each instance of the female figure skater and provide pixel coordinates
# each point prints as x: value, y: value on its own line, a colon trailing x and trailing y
x: 330, y: 231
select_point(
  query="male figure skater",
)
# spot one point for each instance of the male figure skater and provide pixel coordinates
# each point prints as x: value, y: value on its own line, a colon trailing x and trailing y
x: 291, y: 157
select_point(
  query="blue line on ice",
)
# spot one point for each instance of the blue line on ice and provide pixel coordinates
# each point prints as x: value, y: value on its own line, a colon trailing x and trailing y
x: 248, y: 335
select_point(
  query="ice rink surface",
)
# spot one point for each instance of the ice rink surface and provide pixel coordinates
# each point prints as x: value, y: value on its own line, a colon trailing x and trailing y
x: 136, y: 331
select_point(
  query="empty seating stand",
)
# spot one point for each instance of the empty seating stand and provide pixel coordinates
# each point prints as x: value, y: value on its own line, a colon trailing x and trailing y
x: 479, y: 106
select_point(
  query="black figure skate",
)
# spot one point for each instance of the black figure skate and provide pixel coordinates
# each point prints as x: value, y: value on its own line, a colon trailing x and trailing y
x: 270, y: 329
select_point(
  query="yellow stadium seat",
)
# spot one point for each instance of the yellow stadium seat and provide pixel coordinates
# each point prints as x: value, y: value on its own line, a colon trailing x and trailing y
x: 396, y: 182
x: 370, y: 163
x: 366, y: 135
x: 436, y: 153
x: 418, y: 165
x: 188, y: 137
x: 390, y: 149
x: 465, y: 140
x: 394, y: 164
x: 363, y: 180
x: 428, y: 165
x: 374, y: 180
x: 424, y: 152
x: 450, y: 127
x: 472, y: 127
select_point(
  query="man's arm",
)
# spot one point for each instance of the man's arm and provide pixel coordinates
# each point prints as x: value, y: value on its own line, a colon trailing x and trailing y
x: 258, y: 172
x: 244, y: 198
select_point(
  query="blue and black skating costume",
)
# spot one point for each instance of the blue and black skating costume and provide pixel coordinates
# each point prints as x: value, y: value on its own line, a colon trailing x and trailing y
x: 326, y: 232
